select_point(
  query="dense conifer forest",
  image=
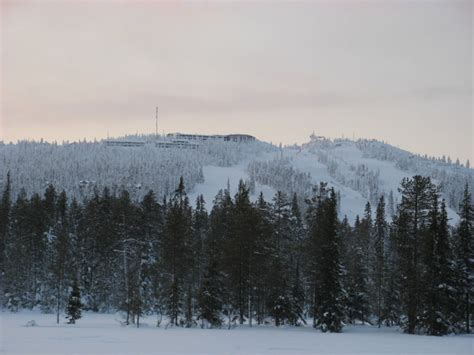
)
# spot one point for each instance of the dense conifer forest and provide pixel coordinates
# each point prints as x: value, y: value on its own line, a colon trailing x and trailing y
x: 234, y: 261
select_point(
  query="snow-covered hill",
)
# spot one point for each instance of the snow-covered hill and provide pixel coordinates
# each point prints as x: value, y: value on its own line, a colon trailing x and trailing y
x: 360, y: 170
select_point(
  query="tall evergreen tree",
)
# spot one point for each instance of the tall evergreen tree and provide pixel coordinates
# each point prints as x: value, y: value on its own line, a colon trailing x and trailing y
x: 357, y: 288
x: 5, y: 211
x: 298, y: 235
x: 176, y: 251
x: 413, y: 217
x: 17, y: 247
x: 264, y: 275
x: 378, y: 267
x: 210, y: 301
x: 150, y: 283
x: 240, y: 253
x: 281, y: 302
x: 391, y: 311
x: 200, y: 232
x: 438, y: 314
x: 60, y: 253
x: 74, y: 305
x: 325, y: 265
x: 465, y: 260
x: 217, y: 248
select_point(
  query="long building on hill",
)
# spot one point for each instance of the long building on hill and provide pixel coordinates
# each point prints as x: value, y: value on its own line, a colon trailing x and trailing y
x: 182, y: 140
x: 214, y: 137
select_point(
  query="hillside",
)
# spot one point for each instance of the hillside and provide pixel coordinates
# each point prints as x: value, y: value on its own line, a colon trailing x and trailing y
x: 360, y: 170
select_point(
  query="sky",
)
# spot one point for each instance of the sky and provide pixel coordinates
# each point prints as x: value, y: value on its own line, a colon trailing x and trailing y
x: 398, y: 71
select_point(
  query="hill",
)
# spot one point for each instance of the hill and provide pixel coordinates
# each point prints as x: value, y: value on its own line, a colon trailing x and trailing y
x: 360, y: 170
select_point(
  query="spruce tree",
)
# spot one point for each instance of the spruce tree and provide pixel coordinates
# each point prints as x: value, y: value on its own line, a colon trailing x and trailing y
x: 37, y: 247
x: 431, y: 302
x: 16, y: 278
x: 412, y: 218
x: 378, y: 267
x: 60, y: 253
x: 465, y: 260
x: 218, y: 247
x: 298, y: 235
x: 281, y: 306
x: 325, y: 267
x: 5, y: 212
x: 357, y: 274
x: 391, y: 307
x: 74, y: 306
x: 152, y: 229
x: 176, y: 255
x: 200, y: 230
x: 210, y: 301
x: 240, y: 255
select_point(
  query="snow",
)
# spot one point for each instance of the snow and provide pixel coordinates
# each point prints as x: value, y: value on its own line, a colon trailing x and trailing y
x: 352, y: 202
x: 103, y: 334
x: 216, y: 178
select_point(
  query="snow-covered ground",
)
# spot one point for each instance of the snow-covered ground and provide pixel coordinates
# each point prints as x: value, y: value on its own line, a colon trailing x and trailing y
x: 217, y: 177
x: 103, y: 334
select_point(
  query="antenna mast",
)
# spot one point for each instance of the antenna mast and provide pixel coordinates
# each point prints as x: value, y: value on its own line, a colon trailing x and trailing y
x: 156, y: 126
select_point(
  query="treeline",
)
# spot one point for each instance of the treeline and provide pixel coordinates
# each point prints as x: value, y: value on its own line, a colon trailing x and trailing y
x: 242, y: 262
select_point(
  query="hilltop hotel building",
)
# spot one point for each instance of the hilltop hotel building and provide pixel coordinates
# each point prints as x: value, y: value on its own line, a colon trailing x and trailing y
x: 183, y: 141
x: 203, y: 137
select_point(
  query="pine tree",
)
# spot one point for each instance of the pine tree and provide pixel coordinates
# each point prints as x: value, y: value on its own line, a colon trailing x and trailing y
x: 379, y: 260
x: 357, y: 274
x: 210, y: 303
x: 443, y: 279
x: 280, y: 301
x: 412, y: 219
x: 60, y: 253
x: 464, y: 260
x: 240, y: 255
x: 296, y: 261
x: 74, y: 305
x: 325, y: 267
x: 297, y: 300
x: 174, y: 302
x: 176, y: 254
x: 200, y: 232
x: 37, y: 247
x: 5, y: 211
x: 438, y: 281
x: 17, y: 273
x: 130, y: 251
x: 391, y: 311
x: 152, y: 229
x: 218, y: 247
x: 49, y: 205
x: 189, y: 311
x: 264, y: 275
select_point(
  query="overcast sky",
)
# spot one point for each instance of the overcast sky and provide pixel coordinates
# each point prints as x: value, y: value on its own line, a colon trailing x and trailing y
x: 399, y: 71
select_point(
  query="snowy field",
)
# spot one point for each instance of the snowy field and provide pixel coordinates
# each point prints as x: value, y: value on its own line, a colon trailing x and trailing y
x: 103, y: 334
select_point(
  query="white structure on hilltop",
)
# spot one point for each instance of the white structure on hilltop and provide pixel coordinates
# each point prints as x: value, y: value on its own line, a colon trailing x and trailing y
x: 181, y: 140
x: 119, y: 143
x: 214, y: 137
x: 175, y: 143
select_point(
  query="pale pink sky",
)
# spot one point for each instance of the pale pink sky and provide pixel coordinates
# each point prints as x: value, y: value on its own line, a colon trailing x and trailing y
x: 399, y: 71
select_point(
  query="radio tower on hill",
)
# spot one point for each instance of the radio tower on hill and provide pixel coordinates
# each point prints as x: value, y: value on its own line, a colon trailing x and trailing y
x: 156, y: 124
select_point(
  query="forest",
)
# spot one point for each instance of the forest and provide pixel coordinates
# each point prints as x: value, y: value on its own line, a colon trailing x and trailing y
x: 240, y: 262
